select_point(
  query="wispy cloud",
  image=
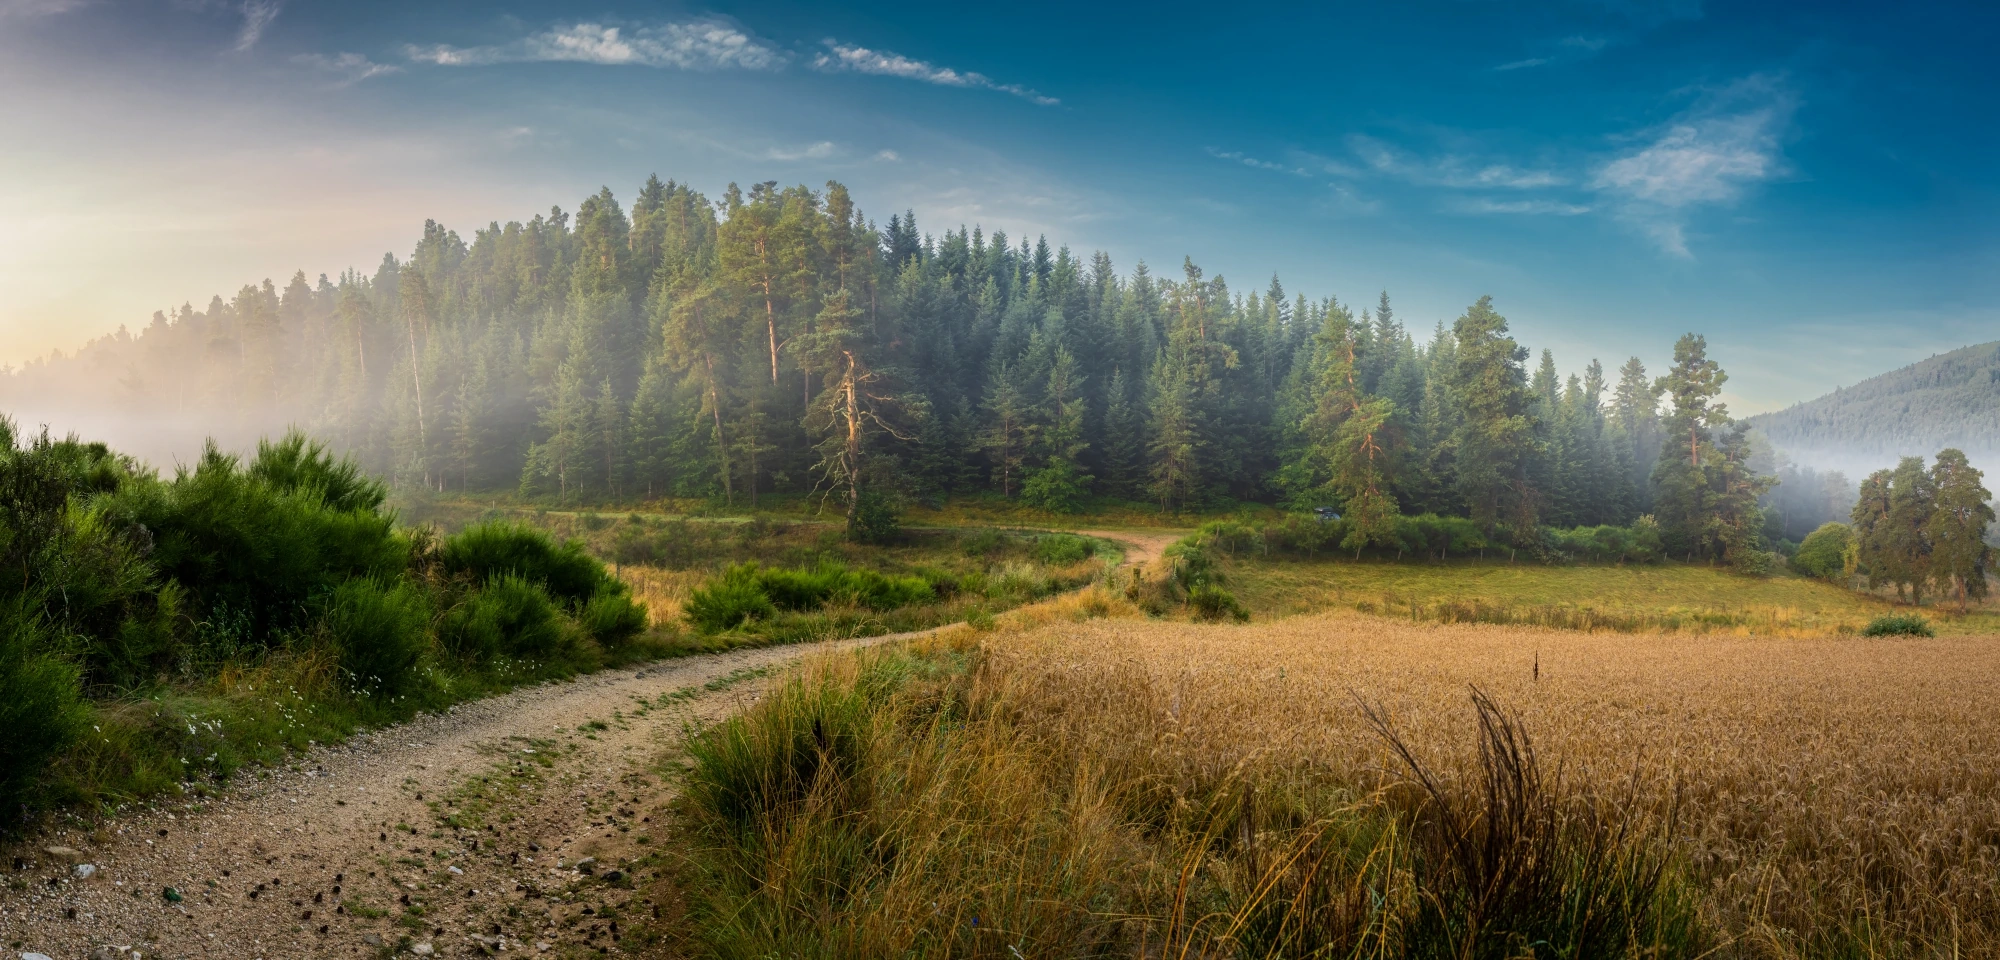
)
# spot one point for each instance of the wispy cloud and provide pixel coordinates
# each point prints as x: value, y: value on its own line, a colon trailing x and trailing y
x: 1234, y: 156
x: 1710, y: 155
x: 1557, y: 208
x: 350, y: 68
x: 1523, y: 64
x: 704, y: 44
x: 1450, y: 170
x: 816, y: 151
x: 888, y: 156
x: 257, y: 15
x: 848, y: 58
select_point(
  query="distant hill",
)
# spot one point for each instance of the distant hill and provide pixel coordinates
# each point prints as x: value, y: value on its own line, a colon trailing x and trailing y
x: 1950, y: 400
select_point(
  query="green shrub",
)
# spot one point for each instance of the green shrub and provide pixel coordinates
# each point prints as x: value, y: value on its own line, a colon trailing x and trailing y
x: 982, y: 542
x: 1062, y: 549
x: 875, y: 519
x: 41, y: 705
x: 1214, y: 603
x: 1899, y: 625
x: 300, y: 465
x: 795, y: 589
x: 570, y: 575
x: 382, y: 633
x: 612, y: 619
x: 256, y: 549
x: 1059, y: 487
x: 729, y: 601
x: 1823, y: 553
x: 509, y: 615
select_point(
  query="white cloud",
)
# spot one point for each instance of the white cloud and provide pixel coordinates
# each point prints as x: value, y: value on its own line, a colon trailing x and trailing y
x: 349, y: 67
x: 817, y: 151
x: 1451, y: 170
x: 888, y: 156
x: 705, y: 44
x: 847, y: 58
x: 1252, y: 162
x: 257, y: 15
x: 1708, y: 156
x: 1519, y: 64
x: 1531, y: 207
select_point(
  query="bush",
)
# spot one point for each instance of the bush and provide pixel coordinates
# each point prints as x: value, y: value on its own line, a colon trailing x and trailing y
x: 729, y: 601
x: 300, y: 465
x: 875, y: 519
x: 41, y: 705
x: 381, y: 632
x: 1823, y: 553
x: 1062, y: 549
x: 1899, y: 625
x: 981, y: 543
x: 261, y: 550
x: 1058, y: 487
x: 1214, y: 603
x: 612, y: 619
x: 489, y: 549
x: 510, y: 615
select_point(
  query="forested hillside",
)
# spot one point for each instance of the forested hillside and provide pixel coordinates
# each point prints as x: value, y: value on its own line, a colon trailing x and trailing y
x: 777, y: 341
x: 1950, y: 400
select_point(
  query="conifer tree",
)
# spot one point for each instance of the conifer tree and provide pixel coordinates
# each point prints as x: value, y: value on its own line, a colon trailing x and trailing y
x: 1494, y: 441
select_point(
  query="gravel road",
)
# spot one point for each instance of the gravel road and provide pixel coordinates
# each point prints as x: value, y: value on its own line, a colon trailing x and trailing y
x: 501, y: 826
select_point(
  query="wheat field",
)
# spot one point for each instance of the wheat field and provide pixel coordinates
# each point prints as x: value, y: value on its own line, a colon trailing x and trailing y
x: 1827, y: 795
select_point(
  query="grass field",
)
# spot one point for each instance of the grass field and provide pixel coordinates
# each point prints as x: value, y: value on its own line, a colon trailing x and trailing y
x: 1669, y: 597
x: 1135, y: 787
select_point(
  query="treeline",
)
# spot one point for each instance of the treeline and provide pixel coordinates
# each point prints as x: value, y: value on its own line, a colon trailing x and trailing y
x: 1951, y: 400
x: 118, y: 585
x: 1915, y: 529
x: 777, y: 342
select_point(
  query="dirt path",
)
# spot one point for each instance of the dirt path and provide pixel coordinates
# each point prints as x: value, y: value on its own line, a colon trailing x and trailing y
x: 503, y: 825
x: 455, y: 833
x: 1143, y: 547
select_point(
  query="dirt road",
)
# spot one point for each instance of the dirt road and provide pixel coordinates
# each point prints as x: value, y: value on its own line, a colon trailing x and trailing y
x: 503, y: 825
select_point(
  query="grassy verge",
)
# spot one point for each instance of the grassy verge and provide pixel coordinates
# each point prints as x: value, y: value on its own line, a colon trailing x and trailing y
x: 923, y: 802
x: 1668, y: 597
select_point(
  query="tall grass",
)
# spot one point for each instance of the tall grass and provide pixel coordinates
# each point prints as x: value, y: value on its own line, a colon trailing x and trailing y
x: 930, y: 803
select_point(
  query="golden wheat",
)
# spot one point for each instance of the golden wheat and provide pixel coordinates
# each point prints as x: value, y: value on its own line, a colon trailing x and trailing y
x: 1821, y: 785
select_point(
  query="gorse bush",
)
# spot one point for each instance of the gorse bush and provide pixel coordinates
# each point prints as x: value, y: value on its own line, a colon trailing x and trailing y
x: 41, y: 704
x: 381, y: 632
x: 749, y: 591
x: 728, y: 602
x: 510, y: 616
x: 1899, y: 625
x: 116, y: 584
x: 488, y: 549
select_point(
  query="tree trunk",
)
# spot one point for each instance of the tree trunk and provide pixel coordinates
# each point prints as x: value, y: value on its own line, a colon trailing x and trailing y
x: 721, y: 446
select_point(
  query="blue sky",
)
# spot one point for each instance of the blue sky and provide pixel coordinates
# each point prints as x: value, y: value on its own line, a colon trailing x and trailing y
x: 1812, y: 186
